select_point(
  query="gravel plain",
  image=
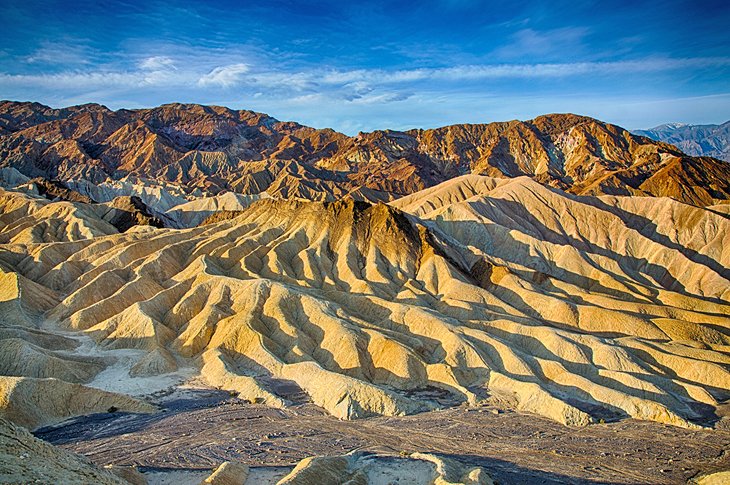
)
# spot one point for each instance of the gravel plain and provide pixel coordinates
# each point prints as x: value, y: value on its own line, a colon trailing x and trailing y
x: 197, y: 429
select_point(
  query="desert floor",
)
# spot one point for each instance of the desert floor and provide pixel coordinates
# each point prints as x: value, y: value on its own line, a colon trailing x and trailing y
x: 197, y: 429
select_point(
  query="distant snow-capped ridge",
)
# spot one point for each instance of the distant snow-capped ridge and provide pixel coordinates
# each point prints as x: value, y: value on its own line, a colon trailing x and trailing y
x: 696, y: 140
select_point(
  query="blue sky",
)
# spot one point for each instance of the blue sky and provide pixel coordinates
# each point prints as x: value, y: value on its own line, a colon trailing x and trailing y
x: 369, y: 65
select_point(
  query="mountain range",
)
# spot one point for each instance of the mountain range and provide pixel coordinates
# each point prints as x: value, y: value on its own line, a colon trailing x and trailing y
x: 561, y: 267
x: 695, y: 140
x: 216, y: 149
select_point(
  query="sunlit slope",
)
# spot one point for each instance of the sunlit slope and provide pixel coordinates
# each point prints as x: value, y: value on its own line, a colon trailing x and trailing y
x: 573, y: 308
x: 180, y: 149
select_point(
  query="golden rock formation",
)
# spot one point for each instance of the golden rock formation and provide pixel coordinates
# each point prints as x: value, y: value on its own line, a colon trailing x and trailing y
x: 574, y: 308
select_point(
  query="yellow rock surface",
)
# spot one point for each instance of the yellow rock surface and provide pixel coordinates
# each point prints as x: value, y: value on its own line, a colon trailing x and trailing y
x: 228, y: 473
x: 33, y: 403
x: 575, y: 308
x: 372, y: 469
x: 26, y: 459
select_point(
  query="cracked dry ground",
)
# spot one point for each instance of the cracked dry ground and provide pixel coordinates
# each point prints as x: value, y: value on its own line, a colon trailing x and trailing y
x: 199, y: 429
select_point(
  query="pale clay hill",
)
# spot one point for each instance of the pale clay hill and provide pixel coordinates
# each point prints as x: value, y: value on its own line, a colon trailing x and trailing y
x: 574, y: 308
x: 143, y: 249
x: 214, y: 149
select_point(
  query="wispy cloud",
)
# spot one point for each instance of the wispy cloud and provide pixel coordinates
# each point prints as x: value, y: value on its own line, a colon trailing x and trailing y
x: 350, y: 65
x: 61, y: 53
x: 224, y: 76
x: 494, y: 71
x: 347, y: 99
x: 157, y: 63
x: 165, y: 71
x: 553, y: 43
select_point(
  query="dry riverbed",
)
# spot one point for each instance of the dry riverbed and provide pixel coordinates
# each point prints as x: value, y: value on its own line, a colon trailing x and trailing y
x: 197, y: 429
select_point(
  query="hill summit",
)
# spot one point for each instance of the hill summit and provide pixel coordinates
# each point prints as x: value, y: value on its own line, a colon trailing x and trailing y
x: 217, y: 149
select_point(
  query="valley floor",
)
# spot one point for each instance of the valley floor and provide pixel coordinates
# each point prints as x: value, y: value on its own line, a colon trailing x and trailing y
x: 197, y: 429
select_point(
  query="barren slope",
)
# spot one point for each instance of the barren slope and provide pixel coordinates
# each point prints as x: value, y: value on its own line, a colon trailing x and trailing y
x: 25, y: 459
x: 573, y: 308
x: 215, y: 149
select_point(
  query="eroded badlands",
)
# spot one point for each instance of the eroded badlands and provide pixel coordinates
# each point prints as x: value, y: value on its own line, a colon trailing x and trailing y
x: 473, y: 292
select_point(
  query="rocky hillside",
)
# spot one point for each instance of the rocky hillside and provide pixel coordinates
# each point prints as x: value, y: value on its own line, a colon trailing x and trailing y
x: 218, y: 149
x: 695, y: 140
x: 26, y: 459
x: 577, y: 309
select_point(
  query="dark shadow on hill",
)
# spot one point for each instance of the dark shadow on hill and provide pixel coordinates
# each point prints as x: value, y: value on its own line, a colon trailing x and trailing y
x: 648, y: 229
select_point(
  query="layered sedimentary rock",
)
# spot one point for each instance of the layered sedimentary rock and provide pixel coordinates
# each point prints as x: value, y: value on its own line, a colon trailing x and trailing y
x: 193, y: 213
x: 24, y: 218
x: 575, y: 308
x: 126, y: 212
x: 28, y: 218
x: 26, y: 459
x: 214, y: 149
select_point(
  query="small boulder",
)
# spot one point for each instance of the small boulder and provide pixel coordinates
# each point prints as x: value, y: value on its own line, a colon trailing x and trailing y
x: 718, y: 478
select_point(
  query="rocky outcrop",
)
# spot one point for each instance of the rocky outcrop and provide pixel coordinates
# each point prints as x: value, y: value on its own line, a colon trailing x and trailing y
x: 717, y: 478
x: 28, y: 219
x: 55, y: 190
x: 127, y: 212
x: 34, y: 403
x: 361, y: 468
x: 205, y: 210
x: 215, y: 149
x: 26, y: 459
x: 228, y: 473
x: 220, y: 216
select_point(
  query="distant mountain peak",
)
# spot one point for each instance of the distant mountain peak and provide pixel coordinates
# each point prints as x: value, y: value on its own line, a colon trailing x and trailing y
x: 697, y: 140
x: 671, y: 126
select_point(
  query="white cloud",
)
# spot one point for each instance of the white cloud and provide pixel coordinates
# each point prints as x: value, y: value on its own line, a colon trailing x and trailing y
x: 224, y: 76
x: 381, y: 98
x: 73, y: 80
x: 197, y: 77
x: 157, y: 63
x: 555, y: 42
x: 162, y: 71
x: 494, y: 71
x: 61, y: 53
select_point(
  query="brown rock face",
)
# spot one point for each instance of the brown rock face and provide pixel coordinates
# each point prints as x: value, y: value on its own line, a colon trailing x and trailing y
x: 219, y: 216
x: 127, y: 212
x: 216, y: 148
x: 54, y: 190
